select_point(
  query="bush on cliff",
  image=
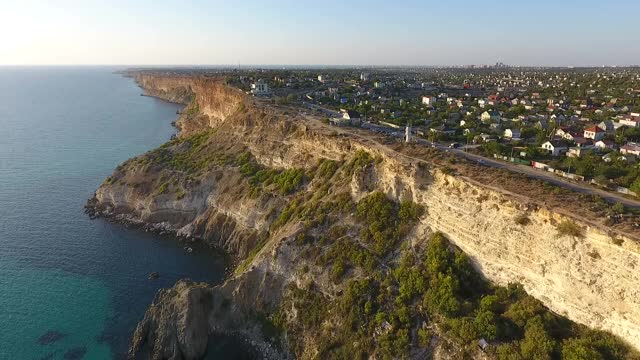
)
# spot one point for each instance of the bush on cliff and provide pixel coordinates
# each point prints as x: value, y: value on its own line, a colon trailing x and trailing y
x: 385, y: 221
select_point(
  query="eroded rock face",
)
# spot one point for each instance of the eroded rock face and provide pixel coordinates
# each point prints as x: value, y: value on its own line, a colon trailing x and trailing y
x: 176, y: 325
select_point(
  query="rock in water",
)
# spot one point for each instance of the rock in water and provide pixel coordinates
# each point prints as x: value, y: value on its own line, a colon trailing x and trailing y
x: 176, y: 325
x: 50, y: 337
x: 154, y: 275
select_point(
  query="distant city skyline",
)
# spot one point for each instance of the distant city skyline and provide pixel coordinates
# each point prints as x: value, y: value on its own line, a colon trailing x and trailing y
x: 287, y: 32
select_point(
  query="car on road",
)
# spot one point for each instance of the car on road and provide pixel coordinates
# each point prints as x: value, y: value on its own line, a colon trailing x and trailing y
x: 454, y: 145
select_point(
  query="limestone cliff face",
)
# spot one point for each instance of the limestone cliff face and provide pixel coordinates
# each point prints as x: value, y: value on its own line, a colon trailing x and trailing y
x: 591, y: 279
x: 211, y: 100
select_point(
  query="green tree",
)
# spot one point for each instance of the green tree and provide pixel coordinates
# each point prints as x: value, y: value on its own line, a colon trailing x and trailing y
x: 441, y: 296
x: 537, y: 344
x: 579, y: 349
x: 485, y: 324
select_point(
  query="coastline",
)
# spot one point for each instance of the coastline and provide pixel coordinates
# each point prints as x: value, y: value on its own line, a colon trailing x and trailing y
x: 223, y: 139
x: 256, y: 346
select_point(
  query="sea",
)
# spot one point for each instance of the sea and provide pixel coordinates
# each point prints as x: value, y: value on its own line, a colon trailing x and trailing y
x: 71, y: 287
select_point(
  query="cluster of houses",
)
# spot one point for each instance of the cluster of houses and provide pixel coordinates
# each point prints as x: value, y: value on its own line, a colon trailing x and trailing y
x: 593, y: 138
x: 534, y: 107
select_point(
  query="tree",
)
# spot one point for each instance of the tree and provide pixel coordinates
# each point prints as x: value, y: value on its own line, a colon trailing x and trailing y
x: 579, y: 349
x: 509, y: 351
x: 537, y: 344
x: 635, y: 186
x: 438, y: 257
x: 485, y: 324
x: 441, y: 296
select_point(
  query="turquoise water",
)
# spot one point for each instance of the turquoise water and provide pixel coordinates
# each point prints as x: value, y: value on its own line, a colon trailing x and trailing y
x: 77, y: 285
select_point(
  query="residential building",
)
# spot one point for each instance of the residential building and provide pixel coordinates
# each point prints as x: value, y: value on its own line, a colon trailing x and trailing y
x: 632, y: 120
x: 555, y: 147
x: 260, y: 88
x: 594, y: 132
x: 631, y: 149
x: 605, y: 144
x: 607, y: 126
x: 349, y: 117
x: 491, y: 115
x: 513, y: 134
x: 428, y: 100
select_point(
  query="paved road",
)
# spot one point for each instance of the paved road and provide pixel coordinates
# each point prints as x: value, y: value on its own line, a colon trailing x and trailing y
x: 542, y: 175
x: 584, y: 188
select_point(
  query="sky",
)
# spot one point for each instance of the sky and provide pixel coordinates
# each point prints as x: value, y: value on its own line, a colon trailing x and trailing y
x: 319, y: 32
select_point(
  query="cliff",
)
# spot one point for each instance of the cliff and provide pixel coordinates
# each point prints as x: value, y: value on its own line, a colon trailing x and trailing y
x: 258, y: 182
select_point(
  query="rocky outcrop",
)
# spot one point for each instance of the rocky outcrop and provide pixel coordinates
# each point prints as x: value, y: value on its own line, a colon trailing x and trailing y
x: 589, y: 277
x: 176, y: 325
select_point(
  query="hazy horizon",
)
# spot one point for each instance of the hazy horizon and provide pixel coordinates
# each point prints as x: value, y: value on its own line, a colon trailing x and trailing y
x: 288, y: 33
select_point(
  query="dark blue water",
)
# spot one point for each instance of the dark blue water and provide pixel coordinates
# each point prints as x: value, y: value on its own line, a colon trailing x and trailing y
x: 62, y: 131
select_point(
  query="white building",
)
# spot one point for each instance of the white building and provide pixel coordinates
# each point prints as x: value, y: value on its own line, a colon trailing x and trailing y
x: 428, y: 100
x: 260, y: 88
x: 491, y: 115
x: 407, y: 134
x: 632, y: 120
x: 364, y: 76
x: 555, y: 147
x: 631, y: 149
x: 595, y: 133
x: 512, y: 134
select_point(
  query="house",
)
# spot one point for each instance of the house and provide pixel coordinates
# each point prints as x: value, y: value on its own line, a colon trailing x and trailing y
x: 513, y: 134
x: 582, y: 142
x: 632, y: 120
x: 579, y: 151
x: 349, y: 117
x: 607, y: 126
x: 562, y: 131
x: 483, y: 138
x: 594, y: 132
x: 260, y: 88
x: 482, y: 103
x: 428, y: 100
x: 573, y: 136
x: 558, y: 119
x: 555, y: 147
x: 491, y: 115
x: 542, y: 124
x: 605, y: 144
x: 443, y: 130
x: 630, y: 149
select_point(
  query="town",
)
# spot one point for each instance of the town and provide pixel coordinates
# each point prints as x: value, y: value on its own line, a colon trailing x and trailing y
x: 582, y: 124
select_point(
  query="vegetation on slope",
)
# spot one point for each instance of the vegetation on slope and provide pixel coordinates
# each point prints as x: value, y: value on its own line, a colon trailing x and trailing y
x: 394, y: 301
x: 429, y: 296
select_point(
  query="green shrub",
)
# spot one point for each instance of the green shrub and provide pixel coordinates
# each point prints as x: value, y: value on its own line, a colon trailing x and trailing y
x: 386, y: 222
x: 537, y: 343
x: 569, y: 228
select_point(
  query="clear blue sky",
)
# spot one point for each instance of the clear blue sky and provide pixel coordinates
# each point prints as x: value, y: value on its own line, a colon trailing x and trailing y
x: 409, y: 32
